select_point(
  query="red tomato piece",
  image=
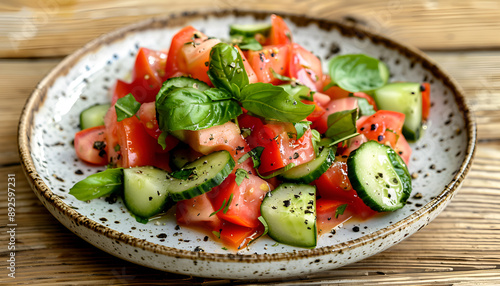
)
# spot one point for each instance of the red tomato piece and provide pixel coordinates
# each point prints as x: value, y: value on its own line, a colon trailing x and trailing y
x: 136, y: 146
x: 333, y: 92
x: 280, y: 33
x: 279, y: 149
x: 196, y: 56
x: 90, y: 145
x: 196, y: 212
x: 426, y: 100
x: 325, y: 214
x: 384, y: 127
x: 270, y: 57
x: 236, y: 236
x: 346, y: 103
x: 403, y: 149
x: 334, y: 183
x: 244, y: 207
x: 352, y: 144
x: 162, y: 161
x: 147, y: 77
x: 175, y: 61
x: 306, y: 67
x: 147, y: 115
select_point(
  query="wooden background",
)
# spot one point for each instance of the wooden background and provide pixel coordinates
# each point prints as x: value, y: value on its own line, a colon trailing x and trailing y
x: 460, y: 247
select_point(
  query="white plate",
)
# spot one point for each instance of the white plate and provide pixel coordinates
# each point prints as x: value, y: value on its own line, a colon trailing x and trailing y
x: 50, y: 119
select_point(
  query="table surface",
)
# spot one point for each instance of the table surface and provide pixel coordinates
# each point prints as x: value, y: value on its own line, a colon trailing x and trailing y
x: 461, y: 246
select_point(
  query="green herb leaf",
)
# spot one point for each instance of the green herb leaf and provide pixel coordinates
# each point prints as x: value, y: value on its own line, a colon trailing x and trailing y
x: 341, y: 124
x: 358, y: 72
x: 98, y: 185
x: 226, y: 208
x: 226, y: 69
x: 298, y: 91
x: 315, y: 140
x: 365, y: 108
x: 278, y: 76
x: 301, y: 127
x: 266, y: 229
x: 340, y: 210
x: 241, y: 174
x: 191, y: 109
x: 161, y: 140
x: 183, y: 174
x: 334, y: 143
x: 221, y: 207
x: 126, y: 107
x: 273, y: 102
x: 255, y: 154
x: 216, y: 233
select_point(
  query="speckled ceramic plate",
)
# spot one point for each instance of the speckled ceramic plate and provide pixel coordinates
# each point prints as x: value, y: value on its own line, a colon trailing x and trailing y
x: 50, y: 119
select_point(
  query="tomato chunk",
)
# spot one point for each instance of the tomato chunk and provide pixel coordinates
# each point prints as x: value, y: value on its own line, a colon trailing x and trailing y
x: 196, y: 212
x: 240, y: 203
x: 326, y: 210
x: 280, y: 33
x: 175, y: 60
x: 384, y: 127
x: 426, y: 100
x: 237, y: 236
x: 147, y: 115
x: 196, y: 56
x: 90, y: 145
x: 270, y: 57
x: 306, y: 67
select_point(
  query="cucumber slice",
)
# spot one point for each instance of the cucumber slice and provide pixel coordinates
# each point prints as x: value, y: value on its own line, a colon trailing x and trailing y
x: 310, y: 171
x: 290, y: 213
x: 207, y: 172
x: 404, y: 97
x: 250, y: 30
x: 145, y: 190
x: 379, y: 176
x: 93, y: 116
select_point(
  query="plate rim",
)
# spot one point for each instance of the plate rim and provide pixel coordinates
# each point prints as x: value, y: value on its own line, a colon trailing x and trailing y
x: 348, y: 29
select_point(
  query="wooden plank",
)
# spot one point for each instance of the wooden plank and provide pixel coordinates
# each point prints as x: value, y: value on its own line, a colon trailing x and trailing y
x: 30, y: 28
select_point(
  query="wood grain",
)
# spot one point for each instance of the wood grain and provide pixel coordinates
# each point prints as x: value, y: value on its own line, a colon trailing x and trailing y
x: 58, y: 27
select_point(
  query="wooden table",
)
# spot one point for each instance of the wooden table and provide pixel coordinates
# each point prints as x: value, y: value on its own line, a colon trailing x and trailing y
x: 461, y: 246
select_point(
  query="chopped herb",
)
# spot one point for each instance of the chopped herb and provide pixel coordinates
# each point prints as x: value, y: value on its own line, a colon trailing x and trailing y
x: 241, y: 174
x: 340, y: 210
x: 126, y: 107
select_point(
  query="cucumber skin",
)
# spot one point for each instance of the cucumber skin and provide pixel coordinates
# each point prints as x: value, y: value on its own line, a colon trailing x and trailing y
x: 250, y: 30
x: 400, y: 169
x: 206, y: 186
x: 313, y: 175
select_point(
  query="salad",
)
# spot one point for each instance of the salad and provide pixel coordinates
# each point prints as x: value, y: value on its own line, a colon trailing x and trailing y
x: 248, y: 136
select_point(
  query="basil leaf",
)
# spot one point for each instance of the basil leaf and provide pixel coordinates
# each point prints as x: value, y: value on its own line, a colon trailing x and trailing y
x: 340, y: 210
x: 341, y: 124
x: 221, y: 207
x: 161, y: 140
x: 365, y: 108
x: 184, y: 174
x: 301, y: 127
x: 273, y: 102
x: 98, y: 185
x: 126, y: 107
x: 190, y: 109
x: 226, y: 69
x: 358, y: 72
x: 316, y: 138
x: 343, y: 139
x: 297, y: 91
x: 255, y: 154
x: 241, y: 174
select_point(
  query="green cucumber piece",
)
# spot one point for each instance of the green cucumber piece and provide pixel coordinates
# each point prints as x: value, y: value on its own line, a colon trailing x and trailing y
x: 290, y: 213
x: 250, y: 30
x: 207, y: 172
x: 379, y: 176
x: 145, y: 190
x: 310, y: 171
x: 93, y: 116
x: 404, y: 97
